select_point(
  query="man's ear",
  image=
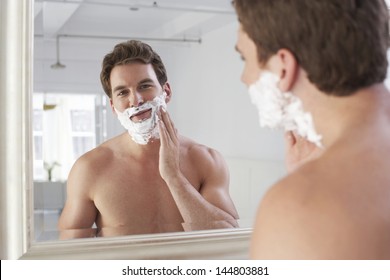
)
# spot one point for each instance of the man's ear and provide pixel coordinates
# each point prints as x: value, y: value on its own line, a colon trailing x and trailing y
x: 112, y: 107
x: 168, y: 91
x: 288, y: 69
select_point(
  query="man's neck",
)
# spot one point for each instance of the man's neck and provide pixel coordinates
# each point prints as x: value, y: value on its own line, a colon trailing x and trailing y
x: 150, y: 150
x: 335, y: 117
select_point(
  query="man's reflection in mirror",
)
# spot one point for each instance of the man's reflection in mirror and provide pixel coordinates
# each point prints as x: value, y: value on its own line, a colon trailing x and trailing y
x: 149, y: 179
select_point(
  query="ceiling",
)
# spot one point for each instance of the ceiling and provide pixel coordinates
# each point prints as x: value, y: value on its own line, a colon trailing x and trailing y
x: 160, y: 20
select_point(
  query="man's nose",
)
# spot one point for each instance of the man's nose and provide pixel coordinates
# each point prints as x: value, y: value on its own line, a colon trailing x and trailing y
x: 136, y: 100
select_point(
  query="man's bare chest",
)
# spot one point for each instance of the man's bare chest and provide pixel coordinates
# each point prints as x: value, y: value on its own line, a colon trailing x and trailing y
x: 132, y: 191
x: 137, y: 200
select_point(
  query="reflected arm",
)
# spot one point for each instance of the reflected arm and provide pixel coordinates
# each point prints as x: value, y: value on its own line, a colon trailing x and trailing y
x: 209, y: 208
x: 79, y: 213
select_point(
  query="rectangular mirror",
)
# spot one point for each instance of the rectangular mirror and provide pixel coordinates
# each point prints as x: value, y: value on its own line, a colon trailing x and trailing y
x: 30, y: 202
x: 195, y: 39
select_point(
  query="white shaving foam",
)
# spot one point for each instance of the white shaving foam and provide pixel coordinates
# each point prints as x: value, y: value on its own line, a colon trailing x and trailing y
x: 281, y: 110
x: 141, y: 132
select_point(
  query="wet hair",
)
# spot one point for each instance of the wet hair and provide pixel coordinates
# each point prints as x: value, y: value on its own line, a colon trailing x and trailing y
x: 341, y: 44
x: 128, y: 52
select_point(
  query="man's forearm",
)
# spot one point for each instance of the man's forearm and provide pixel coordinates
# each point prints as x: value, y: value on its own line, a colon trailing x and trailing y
x: 196, y: 211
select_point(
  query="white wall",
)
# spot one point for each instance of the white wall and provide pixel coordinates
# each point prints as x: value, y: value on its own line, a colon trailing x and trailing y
x: 212, y: 105
x: 209, y: 103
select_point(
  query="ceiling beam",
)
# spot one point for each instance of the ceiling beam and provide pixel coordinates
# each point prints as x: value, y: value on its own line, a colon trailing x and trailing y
x: 37, y: 8
x: 55, y: 15
x: 179, y: 25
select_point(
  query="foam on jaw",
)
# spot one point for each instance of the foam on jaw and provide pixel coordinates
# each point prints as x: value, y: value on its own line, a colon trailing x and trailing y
x: 141, y: 132
x: 282, y: 110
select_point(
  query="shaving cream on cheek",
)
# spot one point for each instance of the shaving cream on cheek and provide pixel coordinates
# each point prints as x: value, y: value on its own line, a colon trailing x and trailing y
x: 283, y: 110
x: 141, y: 132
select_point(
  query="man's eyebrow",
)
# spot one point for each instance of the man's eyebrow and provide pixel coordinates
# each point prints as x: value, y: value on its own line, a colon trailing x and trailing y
x: 147, y: 80
x: 117, y: 88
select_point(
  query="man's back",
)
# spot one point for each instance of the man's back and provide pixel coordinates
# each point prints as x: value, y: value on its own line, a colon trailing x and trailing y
x: 336, y: 206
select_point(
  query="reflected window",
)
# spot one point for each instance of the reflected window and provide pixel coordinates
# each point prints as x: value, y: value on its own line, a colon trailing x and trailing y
x: 83, y: 131
x: 63, y: 130
x: 37, y: 143
x: 82, y: 144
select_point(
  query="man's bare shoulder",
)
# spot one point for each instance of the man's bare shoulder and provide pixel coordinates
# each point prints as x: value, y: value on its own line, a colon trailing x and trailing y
x: 209, y: 165
x: 289, y: 218
x: 318, y: 212
x: 93, y: 161
x: 199, y: 151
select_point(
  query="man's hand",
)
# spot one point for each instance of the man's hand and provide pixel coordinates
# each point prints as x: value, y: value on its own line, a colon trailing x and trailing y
x: 299, y: 151
x: 169, y: 161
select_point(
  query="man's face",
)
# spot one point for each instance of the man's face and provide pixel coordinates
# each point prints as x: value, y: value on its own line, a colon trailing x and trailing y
x: 132, y: 85
x: 247, y: 49
x: 277, y: 108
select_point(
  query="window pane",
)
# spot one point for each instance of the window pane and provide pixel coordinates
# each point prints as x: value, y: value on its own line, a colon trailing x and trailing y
x: 82, y: 145
x: 38, y: 153
x: 37, y: 120
x: 39, y: 172
x: 82, y: 120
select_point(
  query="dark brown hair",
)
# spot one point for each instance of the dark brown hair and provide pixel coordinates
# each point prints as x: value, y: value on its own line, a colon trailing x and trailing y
x: 128, y: 52
x: 341, y: 44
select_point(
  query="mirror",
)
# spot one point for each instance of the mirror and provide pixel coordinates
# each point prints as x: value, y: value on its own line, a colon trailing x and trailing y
x: 196, y: 78
x: 196, y: 41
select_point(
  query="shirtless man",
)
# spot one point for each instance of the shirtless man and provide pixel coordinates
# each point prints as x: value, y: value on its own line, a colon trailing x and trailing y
x: 330, y: 55
x: 149, y: 179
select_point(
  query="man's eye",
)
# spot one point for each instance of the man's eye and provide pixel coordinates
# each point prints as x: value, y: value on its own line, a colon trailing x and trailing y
x: 146, y: 86
x: 122, y: 93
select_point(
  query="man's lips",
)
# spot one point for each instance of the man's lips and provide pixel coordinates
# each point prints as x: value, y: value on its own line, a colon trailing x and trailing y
x: 142, y: 115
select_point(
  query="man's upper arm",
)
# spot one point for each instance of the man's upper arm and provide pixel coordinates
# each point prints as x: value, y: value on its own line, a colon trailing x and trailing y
x: 79, y: 211
x: 215, y: 187
x: 295, y: 221
x: 276, y: 232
